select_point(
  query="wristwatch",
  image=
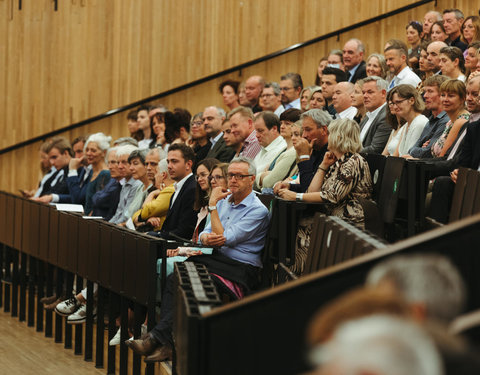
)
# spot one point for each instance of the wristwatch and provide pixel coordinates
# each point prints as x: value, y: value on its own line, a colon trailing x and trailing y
x: 212, y: 208
x: 299, y: 197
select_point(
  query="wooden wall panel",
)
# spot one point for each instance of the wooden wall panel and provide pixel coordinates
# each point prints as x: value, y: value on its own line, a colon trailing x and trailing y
x: 92, y: 56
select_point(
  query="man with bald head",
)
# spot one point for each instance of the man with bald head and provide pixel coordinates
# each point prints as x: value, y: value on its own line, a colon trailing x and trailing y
x: 212, y: 121
x: 342, y: 100
x: 353, y: 53
x: 253, y: 88
x: 433, y: 55
x: 429, y: 19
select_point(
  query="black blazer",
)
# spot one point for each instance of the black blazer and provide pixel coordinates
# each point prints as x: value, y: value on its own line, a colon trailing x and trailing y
x: 221, y: 151
x: 360, y: 73
x: 181, y: 218
x: 378, y: 133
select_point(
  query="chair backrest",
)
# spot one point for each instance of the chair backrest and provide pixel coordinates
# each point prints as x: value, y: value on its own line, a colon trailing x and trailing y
x: 390, y: 188
x: 466, y: 200
x: 376, y: 164
x: 458, y: 195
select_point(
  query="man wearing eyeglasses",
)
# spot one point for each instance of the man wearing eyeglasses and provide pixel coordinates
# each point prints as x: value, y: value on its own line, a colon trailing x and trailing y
x: 271, y: 98
x: 291, y: 86
x: 238, y: 227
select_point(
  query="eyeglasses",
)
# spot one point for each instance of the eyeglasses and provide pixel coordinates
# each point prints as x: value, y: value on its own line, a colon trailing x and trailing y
x: 197, y: 123
x: 286, y: 88
x: 201, y: 175
x: 266, y: 95
x: 216, y: 177
x: 397, y: 102
x: 238, y: 177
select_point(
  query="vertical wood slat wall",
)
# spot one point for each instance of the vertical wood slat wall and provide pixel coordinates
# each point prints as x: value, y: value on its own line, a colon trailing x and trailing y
x: 90, y: 56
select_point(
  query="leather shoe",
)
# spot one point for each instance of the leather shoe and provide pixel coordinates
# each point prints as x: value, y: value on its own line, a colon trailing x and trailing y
x: 162, y: 353
x: 142, y: 346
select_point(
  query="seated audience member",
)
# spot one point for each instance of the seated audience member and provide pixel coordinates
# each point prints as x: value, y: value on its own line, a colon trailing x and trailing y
x: 472, y: 59
x: 132, y: 125
x: 229, y: 91
x: 230, y: 140
x: 199, y: 139
x: 374, y: 129
x: 129, y: 184
x: 285, y: 165
x: 424, y: 68
x: 470, y: 30
x: 242, y: 97
x: 376, y: 345
x: 238, y: 226
x: 78, y: 146
x: 267, y: 127
x: 452, y: 63
x: 253, y: 89
x: 342, y: 177
x: 428, y: 20
x: 305, y: 96
x: 136, y: 160
x: 472, y: 102
x: 181, y: 125
x: 453, y: 93
x: 84, y: 184
x: 376, y: 66
x: 181, y: 216
x: 429, y: 283
x: 396, y: 58
x: 436, y: 122
x: 291, y: 85
x: 357, y: 102
x: 316, y: 99
x: 396, y: 124
x: 353, y: 53
x: 438, y: 33
x: 335, y: 59
x: 47, y: 171
x: 310, y: 149
x: 414, y: 37
x: 433, y: 56
x: 152, y: 159
x: 157, y: 128
x: 271, y: 98
x: 241, y: 124
x: 155, y: 207
x: 409, y: 106
x: 143, y: 121
x: 452, y: 22
x: 55, y: 188
x: 105, y: 201
x: 322, y: 64
x: 213, y: 118
x: 342, y: 100
x: 330, y: 77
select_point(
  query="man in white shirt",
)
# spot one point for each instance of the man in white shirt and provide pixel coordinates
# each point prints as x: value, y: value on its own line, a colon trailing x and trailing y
x: 342, y: 100
x: 271, y: 98
x: 267, y: 126
x: 374, y: 130
x: 291, y: 86
x: 396, y: 55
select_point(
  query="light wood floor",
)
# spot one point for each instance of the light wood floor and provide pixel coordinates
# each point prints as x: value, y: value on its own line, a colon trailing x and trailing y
x: 25, y: 351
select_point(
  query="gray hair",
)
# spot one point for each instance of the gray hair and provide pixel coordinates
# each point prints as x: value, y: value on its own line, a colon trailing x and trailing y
x: 242, y: 159
x: 438, y: 15
x: 458, y: 13
x: 275, y: 86
x: 221, y: 112
x: 381, y: 344
x: 381, y: 83
x: 159, y: 151
x: 111, y: 149
x: 102, y: 141
x: 429, y: 279
x: 125, y: 150
x: 319, y: 117
x: 295, y: 78
x: 360, y: 45
x: 125, y: 141
x: 162, y: 166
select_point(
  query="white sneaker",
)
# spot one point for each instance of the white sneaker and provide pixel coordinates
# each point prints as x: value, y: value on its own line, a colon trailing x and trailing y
x: 68, y: 306
x: 115, y: 339
x: 80, y: 316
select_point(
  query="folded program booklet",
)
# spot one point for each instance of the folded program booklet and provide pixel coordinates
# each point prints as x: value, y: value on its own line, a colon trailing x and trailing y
x: 68, y: 207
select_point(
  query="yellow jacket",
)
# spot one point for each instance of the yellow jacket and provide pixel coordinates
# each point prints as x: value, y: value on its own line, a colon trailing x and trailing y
x: 156, y: 208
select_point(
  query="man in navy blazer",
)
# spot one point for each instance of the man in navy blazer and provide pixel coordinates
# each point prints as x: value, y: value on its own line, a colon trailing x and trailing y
x: 181, y: 217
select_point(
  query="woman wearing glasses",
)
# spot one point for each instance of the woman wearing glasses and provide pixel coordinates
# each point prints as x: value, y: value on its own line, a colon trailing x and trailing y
x: 409, y: 106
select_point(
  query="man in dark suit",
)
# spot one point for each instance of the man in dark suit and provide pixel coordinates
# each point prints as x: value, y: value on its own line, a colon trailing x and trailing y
x: 374, y: 130
x: 181, y: 217
x: 355, y: 67
x: 212, y: 120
